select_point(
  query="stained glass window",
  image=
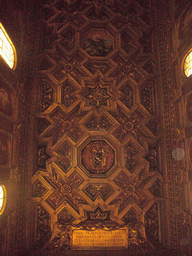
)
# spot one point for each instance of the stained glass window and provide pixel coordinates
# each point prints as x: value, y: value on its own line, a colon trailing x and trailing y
x: 188, y: 65
x: 2, y: 198
x: 7, y: 49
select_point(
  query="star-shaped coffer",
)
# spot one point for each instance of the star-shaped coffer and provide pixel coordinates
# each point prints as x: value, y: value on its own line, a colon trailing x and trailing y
x: 131, y: 190
x: 98, y: 93
x: 65, y: 191
x: 64, y: 123
x: 98, y: 96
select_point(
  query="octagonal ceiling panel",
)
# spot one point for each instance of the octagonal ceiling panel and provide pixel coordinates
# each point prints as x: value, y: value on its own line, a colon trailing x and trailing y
x: 96, y: 157
x: 97, y: 43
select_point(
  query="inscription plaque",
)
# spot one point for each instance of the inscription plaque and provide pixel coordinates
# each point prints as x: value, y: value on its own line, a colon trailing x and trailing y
x: 99, y: 238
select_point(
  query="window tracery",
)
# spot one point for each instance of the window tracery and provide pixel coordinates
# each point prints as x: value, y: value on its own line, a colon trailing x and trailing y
x: 7, y: 49
x: 188, y: 65
x: 3, y: 195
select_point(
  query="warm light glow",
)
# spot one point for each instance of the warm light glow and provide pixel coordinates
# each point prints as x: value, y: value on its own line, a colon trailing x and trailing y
x: 188, y: 65
x: 2, y: 198
x: 7, y: 49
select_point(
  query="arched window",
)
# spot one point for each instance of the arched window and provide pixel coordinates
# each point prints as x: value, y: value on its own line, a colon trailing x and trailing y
x: 3, y: 196
x: 188, y: 64
x: 7, y: 49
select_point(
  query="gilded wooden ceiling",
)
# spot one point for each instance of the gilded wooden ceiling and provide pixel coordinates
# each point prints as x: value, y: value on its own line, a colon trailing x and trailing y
x: 97, y: 152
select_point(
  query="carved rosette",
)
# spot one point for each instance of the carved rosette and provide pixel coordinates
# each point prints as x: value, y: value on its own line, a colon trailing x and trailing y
x: 65, y: 191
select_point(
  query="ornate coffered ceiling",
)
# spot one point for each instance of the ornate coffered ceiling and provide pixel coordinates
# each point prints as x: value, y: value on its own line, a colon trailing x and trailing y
x: 97, y: 157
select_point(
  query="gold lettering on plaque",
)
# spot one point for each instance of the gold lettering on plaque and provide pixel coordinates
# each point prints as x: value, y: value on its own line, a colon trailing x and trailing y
x: 99, y: 238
